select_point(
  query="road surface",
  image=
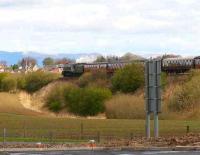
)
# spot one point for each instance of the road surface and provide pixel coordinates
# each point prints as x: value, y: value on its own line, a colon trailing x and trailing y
x: 107, y: 153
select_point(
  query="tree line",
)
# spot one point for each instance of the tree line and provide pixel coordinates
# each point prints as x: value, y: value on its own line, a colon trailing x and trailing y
x: 30, y: 62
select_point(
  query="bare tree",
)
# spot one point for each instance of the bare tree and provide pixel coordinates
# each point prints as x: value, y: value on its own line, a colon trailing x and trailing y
x: 63, y: 61
x: 48, y: 61
x: 28, y: 63
x: 3, y: 63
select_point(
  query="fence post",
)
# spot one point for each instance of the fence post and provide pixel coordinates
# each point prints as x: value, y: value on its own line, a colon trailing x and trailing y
x: 4, y: 135
x: 131, y: 136
x: 50, y: 136
x: 24, y: 132
x: 98, y: 137
x: 24, y: 127
x: 81, y: 131
x: 188, y: 129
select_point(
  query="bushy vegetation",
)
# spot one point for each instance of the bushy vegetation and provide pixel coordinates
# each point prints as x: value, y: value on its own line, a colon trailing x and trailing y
x: 85, y: 79
x: 163, y: 80
x: 2, y: 76
x: 30, y: 82
x: 55, y: 100
x: 9, y: 83
x: 36, y: 80
x: 94, y: 78
x: 186, y: 96
x: 21, y: 81
x: 87, y: 101
x: 128, y: 79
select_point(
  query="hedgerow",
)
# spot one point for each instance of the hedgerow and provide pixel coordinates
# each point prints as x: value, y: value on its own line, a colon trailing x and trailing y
x: 2, y: 76
x: 36, y: 80
x: 9, y: 83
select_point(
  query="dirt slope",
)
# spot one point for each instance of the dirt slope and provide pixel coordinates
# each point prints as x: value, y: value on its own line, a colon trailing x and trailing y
x: 10, y: 103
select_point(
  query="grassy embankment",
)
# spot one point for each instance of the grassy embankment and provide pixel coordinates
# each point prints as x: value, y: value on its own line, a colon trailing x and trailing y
x: 25, y: 125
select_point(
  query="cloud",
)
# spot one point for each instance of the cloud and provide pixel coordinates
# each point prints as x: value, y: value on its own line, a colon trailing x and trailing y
x: 111, y: 26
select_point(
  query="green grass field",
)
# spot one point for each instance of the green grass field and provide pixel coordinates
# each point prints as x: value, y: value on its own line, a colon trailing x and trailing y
x: 65, y: 129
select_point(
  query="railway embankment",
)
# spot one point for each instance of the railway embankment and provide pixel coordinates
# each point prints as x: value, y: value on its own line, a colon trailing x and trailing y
x: 115, y: 100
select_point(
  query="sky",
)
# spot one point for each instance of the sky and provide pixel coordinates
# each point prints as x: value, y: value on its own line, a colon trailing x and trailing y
x: 112, y: 27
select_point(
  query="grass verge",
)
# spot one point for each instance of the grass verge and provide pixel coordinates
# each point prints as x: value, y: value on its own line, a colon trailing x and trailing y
x: 40, y: 128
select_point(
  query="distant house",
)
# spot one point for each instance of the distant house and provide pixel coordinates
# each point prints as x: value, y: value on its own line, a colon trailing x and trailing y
x: 53, y: 68
x: 2, y: 68
x: 26, y: 69
x: 35, y: 68
x: 56, y: 70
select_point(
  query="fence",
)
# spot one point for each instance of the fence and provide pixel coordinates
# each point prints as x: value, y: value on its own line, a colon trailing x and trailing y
x: 74, y: 135
x: 55, y: 135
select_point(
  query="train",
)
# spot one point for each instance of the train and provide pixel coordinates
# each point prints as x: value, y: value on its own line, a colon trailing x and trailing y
x: 168, y: 65
x: 77, y: 69
x: 180, y: 64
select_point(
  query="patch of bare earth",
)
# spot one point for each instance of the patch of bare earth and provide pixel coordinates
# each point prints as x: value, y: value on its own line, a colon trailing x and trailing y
x: 189, y: 140
x: 10, y: 103
x: 170, y: 141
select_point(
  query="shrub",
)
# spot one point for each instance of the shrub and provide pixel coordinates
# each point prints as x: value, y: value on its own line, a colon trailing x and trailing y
x: 2, y: 76
x: 85, y: 79
x: 9, y: 83
x: 36, y: 80
x: 20, y: 79
x: 125, y: 106
x: 163, y: 80
x: 186, y: 97
x: 87, y: 101
x: 55, y: 106
x: 55, y: 100
x: 101, y: 83
x: 128, y: 79
x: 96, y: 78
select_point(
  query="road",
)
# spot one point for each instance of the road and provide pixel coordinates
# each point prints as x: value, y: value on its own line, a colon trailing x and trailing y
x: 107, y: 153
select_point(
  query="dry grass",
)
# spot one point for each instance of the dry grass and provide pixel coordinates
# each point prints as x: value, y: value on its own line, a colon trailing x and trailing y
x: 125, y: 106
x: 10, y: 103
x: 185, y: 96
x: 132, y: 106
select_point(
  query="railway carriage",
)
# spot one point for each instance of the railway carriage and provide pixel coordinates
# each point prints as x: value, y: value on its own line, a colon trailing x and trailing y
x: 197, y: 62
x: 169, y: 65
x: 70, y: 70
x: 177, y: 65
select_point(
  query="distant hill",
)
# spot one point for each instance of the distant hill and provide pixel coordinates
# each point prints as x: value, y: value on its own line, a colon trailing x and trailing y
x: 10, y: 57
x: 14, y: 57
x: 131, y: 57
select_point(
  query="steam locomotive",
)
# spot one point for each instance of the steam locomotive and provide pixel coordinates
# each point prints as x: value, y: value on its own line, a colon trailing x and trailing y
x: 169, y: 65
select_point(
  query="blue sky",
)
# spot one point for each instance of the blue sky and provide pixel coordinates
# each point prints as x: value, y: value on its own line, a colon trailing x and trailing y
x: 143, y: 27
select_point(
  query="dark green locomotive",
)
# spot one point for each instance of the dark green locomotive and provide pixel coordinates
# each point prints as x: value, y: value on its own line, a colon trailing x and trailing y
x: 73, y: 70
